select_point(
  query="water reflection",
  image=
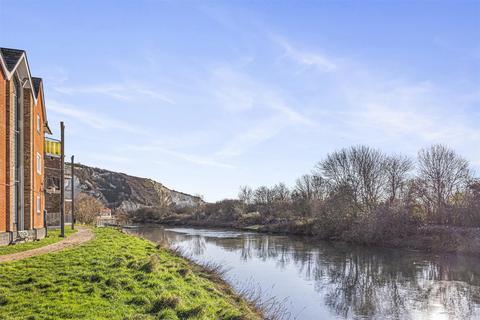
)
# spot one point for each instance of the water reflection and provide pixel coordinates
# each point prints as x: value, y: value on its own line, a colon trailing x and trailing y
x: 330, y: 280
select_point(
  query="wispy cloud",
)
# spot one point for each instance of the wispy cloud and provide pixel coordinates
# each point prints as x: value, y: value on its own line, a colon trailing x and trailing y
x: 119, y: 91
x: 252, y: 136
x: 385, y: 108
x: 94, y: 120
x: 304, y: 57
x: 189, y: 157
x: 239, y: 93
x: 419, y: 111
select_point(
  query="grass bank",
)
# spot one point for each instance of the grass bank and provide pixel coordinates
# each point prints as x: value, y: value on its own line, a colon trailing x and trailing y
x: 115, y: 276
x: 53, y: 236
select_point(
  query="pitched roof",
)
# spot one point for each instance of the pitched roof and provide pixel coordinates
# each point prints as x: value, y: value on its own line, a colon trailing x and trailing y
x: 11, y: 57
x: 9, y: 60
x: 36, y: 85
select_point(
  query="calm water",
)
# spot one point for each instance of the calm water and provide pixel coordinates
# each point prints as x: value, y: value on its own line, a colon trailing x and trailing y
x: 323, y: 280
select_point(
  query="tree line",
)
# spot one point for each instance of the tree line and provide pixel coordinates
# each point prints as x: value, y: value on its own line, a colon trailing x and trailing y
x: 362, y: 192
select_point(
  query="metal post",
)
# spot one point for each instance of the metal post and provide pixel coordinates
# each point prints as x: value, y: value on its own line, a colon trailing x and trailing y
x: 73, y: 191
x: 62, y: 180
x: 45, y: 222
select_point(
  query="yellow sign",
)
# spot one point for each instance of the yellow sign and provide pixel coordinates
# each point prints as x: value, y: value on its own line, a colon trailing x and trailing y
x: 52, y: 147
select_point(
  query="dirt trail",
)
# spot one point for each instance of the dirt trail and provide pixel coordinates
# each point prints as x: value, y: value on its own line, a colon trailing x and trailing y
x: 81, y: 236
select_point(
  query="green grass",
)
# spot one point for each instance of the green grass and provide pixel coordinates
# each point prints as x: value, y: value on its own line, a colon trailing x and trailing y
x: 52, y: 237
x: 114, y: 276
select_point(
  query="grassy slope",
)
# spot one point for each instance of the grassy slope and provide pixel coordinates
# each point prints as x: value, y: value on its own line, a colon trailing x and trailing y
x: 52, y: 237
x: 115, y: 276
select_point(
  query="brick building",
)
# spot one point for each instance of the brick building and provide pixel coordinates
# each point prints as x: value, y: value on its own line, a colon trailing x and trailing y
x: 23, y: 125
x: 53, y: 177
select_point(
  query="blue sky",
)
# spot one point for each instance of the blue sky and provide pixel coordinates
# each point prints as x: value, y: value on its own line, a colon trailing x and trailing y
x: 207, y: 96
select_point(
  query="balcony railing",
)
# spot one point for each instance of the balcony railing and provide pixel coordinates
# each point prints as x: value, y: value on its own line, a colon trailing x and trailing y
x: 53, y: 147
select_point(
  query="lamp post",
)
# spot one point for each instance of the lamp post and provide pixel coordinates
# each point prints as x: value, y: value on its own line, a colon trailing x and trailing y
x: 73, y: 191
x: 62, y: 180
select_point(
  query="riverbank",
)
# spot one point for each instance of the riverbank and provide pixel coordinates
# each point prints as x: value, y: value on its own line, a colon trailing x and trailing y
x: 115, y: 276
x: 428, y: 238
x: 310, y: 279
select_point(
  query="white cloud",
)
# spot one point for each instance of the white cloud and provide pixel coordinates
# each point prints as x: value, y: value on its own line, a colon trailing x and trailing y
x: 94, y: 120
x: 417, y: 112
x: 239, y: 93
x: 386, y: 110
x: 192, y: 158
x: 311, y: 59
x: 119, y: 91
x: 252, y: 136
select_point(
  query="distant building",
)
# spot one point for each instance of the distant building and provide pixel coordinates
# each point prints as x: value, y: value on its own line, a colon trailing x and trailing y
x: 53, y: 176
x: 105, y: 218
x: 106, y: 213
x: 23, y: 125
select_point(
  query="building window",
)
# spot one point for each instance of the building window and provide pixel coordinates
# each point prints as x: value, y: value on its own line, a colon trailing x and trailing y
x: 39, y: 163
x: 38, y: 123
x: 39, y: 204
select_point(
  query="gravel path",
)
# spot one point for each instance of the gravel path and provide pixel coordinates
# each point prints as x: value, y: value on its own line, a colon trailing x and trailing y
x: 81, y: 236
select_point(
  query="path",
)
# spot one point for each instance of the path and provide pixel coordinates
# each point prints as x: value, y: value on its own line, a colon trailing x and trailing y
x: 81, y: 236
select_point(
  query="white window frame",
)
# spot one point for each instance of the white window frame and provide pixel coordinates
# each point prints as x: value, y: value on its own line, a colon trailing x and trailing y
x: 39, y: 204
x: 38, y: 123
x: 39, y: 163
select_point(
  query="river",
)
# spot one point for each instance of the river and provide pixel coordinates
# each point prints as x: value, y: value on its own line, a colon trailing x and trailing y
x: 324, y: 280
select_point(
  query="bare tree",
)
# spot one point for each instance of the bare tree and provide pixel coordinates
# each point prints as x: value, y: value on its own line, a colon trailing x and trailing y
x: 397, y: 168
x: 87, y: 208
x: 359, y: 169
x: 319, y: 187
x: 245, y: 195
x: 442, y: 173
x: 280, y: 193
x: 304, y: 187
x: 261, y: 195
x: 121, y: 216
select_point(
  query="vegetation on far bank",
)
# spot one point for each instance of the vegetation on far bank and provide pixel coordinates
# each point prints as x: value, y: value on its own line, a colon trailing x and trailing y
x: 53, y: 236
x: 361, y: 195
x: 115, y: 276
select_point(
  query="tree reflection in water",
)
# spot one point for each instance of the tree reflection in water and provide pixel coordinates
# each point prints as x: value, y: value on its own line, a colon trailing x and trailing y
x: 357, y: 282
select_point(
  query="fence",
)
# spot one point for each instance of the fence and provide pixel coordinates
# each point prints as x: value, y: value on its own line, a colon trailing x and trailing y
x: 53, y: 219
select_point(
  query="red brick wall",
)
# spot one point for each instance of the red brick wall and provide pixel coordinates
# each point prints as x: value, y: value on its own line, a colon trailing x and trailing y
x: 28, y: 158
x: 33, y: 143
x: 38, y: 146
